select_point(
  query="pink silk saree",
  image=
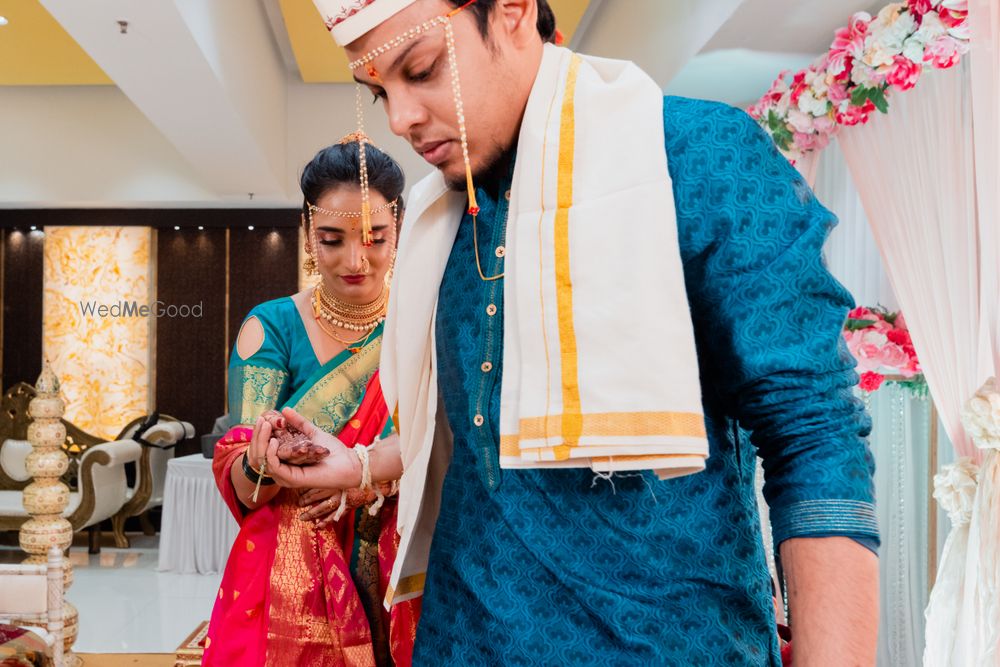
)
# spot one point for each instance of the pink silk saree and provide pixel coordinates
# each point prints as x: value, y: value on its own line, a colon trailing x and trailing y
x: 296, y: 595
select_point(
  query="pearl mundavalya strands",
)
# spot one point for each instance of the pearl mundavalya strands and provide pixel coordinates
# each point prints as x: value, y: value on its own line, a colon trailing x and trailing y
x: 399, y: 40
x: 369, y: 57
x: 366, y: 207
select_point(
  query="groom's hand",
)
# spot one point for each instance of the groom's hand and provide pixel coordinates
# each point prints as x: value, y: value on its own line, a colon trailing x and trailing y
x: 341, y: 469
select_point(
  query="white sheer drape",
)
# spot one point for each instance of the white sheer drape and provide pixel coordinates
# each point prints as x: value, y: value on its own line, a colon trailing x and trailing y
x: 765, y: 530
x: 808, y: 165
x: 984, y: 17
x: 900, y: 440
x: 900, y: 430
x: 851, y: 253
x: 916, y: 172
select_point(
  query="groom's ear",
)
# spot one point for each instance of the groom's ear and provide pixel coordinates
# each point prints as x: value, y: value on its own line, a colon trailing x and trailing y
x: 514, y: 21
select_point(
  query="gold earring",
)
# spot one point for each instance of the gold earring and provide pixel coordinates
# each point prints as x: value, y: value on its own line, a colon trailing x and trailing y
x: 310, y: 266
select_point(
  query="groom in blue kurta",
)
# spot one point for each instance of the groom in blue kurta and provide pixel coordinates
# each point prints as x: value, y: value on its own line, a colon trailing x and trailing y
x: 683, y: 574
x: 562, y: 566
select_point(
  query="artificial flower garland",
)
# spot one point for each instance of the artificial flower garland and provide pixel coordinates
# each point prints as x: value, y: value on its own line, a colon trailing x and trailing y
x: 868, y: 59
x: 881, y: 344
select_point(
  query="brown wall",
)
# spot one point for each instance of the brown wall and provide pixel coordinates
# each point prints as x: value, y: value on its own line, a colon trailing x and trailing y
x: 190, y: 351
x: 21, y: 290
x: 192, y: 354
x: 271, y: 273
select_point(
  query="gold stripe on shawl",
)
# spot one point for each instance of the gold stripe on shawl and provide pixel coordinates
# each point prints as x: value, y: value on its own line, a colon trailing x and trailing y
x: 572, y: 423
x: 611, y: 424
x: 406, y: 585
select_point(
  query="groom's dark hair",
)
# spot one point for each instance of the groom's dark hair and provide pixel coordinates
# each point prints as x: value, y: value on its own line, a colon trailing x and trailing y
x: 483, y: 9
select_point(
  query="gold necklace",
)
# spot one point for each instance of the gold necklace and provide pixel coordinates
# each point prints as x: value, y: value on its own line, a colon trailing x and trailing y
x: 337, y: 305
x: 352, y: 346
x: 353, y: 317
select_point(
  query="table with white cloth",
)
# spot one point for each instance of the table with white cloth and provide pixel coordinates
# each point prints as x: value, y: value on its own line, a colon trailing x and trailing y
x: 198, y: 529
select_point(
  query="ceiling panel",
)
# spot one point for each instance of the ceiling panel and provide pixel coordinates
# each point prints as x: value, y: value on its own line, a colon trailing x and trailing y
x: 793, y: 26
x: 36, y: 51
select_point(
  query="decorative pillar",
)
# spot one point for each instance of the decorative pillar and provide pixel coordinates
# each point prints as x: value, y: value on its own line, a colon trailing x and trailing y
x: 46, y: 497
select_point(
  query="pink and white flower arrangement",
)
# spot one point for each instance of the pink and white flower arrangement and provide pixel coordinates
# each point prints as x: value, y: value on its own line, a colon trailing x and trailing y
x: 868, y: 59
x: 881, y: 344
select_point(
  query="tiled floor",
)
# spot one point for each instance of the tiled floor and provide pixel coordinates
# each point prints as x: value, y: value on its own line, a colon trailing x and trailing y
x: 126, y: 606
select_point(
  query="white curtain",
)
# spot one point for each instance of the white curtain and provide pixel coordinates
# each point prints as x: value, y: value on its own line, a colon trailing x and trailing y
x: 765, y: 531
x: 807, y: 165
x: 916, y: 172
x: 984, y: 16
x: 901, y: 426
x: 851, y: 253
x: 900, y: 441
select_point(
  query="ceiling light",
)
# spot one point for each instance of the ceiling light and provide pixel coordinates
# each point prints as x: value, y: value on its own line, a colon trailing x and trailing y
x: 3, y: 21
x: 250, y: 227
x: 177, y: 228
x: 33, y: 228
x: 200, y: 228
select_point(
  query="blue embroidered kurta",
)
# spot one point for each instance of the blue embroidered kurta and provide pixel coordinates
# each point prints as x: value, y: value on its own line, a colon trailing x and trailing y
x: 555, y: 567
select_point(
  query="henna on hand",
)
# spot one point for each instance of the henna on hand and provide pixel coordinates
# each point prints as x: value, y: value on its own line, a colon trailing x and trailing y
x: 322, y: 513
x: 294, y: 446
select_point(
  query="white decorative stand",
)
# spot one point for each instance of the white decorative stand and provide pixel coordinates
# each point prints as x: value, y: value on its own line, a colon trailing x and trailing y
x: 46, y: 497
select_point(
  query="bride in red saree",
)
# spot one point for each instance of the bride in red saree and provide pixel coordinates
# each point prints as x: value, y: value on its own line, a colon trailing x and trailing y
x: 301, y: 588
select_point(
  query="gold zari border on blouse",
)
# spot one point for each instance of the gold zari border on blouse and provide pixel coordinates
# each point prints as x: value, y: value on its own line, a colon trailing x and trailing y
x: 260, y: 388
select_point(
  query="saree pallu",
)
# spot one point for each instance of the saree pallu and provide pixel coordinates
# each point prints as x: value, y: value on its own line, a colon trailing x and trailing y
x: 294, y: 594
